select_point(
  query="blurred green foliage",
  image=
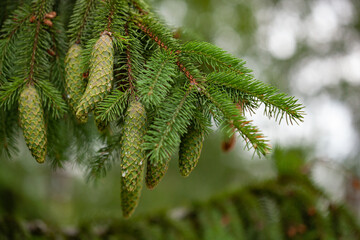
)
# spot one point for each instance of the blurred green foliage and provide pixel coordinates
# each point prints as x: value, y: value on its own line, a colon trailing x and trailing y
x: 44, y: 204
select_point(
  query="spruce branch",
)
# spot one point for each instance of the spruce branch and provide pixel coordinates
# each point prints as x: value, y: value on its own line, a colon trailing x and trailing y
x: 191, y: 72
x: 59, y: 142
x: 156, y: 78
x: 113, y: 106
x: 40, y: 41
x: 172, y: 47
x: 103, y: 17
x: 104, y: 159
x: 51, y: 99
x: 79, y: 19
x: 58, y: 51
x: 213, y: 57
x: 9, y: 93
x: 142, y: 7
x: 9, y: 36
x: 163, y: 136
x: 158, y: 32
x: 33, y: 54
x: 277, y: 105
x: 129, y: 61
x: 233, y: 117
x: 247, y: 102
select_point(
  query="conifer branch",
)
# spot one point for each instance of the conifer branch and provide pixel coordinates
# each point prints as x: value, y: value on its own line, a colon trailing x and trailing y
x: 52, y: 99
x: 9, y: 93
x: 58, y: 47
x: 59, y: 142
x: 80, y: 18
x: 248, y: 102
x: 33, y: 54
x: 140, y: 7
x: 113, y: 106
x: 213, y: 57
x: 168, y: 44
x: 169, y: 125
x: 128, y: 64
x: 190, y: 76
x: 277, y: 105
x: 156, y: 79
x: 109, y: 20
x: 171, y: 50
x: 9, y: 34
x: 233, y: 117
x: 104, y: 158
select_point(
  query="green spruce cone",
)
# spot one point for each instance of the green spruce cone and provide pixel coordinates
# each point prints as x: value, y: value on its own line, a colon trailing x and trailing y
x: 130, y: 199
x: 74, y: 83
x: 100, y: 76
x: 32, y: 122
x: 132, y: 155
x: 154, y: 173
x: 190, y: 149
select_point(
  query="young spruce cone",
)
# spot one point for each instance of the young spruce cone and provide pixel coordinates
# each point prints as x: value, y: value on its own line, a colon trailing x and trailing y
x: 74, y: 83
x: 130, y: 199
x: 190, y: 150
x: 154, y: 173
x: 32, y: 122
x: 100, y: 76
x: 132, y: 155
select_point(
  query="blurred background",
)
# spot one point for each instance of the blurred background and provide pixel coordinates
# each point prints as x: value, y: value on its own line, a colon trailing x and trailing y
x: 307, y: 48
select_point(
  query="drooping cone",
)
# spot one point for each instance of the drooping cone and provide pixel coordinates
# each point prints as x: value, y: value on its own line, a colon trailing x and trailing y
x: 190, y: 149
x: 130, y: 199
x: 100, y: 76
x: 132, y: 155
x: 154, y: 173
x: 32, y: 122
x: 74, y: 82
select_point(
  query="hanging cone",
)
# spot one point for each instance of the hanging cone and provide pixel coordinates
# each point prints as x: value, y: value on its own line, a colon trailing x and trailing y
x: 32, y: 122
x: 130, y: 199
x: 100, y: 76
x: 74, y: 82
x: 190, y: 150
x: 154, y: 173
x: 132, y: 155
